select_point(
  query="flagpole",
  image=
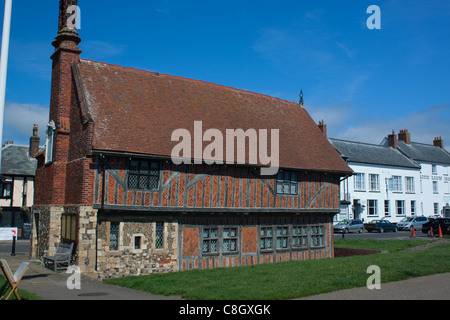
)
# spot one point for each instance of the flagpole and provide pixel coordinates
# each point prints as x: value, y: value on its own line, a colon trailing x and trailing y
x: 4, y: 64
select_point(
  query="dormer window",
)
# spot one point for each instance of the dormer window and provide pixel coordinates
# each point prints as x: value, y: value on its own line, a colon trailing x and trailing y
x: 50, y: 142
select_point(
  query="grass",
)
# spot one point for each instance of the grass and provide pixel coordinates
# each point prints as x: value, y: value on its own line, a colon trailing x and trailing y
x: 24, y: 295
x: 376, y: 244
x: 297, y: 279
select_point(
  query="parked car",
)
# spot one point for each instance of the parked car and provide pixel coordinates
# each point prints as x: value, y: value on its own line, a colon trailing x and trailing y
x: 347, y: 226
x: 412, y: 222
x: 435, y: 223
x: 380, y: 226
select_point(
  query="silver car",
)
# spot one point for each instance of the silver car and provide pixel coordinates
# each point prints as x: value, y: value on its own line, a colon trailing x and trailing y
x: 412, y: 222
x: 347, y: 226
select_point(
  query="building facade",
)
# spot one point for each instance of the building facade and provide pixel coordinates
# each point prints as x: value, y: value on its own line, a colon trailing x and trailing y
x: 106, y: 180
x: 434, y: 180
x: 18, y: 170
x: 385, y: 184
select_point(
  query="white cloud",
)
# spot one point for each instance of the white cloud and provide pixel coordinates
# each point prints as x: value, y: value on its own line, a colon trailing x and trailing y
x: 20, y: 119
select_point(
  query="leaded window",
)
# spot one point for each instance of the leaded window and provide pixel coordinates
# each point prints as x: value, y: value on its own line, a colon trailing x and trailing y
x: 114, y: 236
x: 317, y: 236
x: 266, y: 238
x: 299, y: 236
x: 230, y: 239
x: 287, y: 183
x: 159, y: 238
x: 143, y: 174
x: 282, y: 237
x: 210, y: 237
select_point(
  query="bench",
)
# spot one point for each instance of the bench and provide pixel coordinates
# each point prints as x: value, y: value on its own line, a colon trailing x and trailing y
x: 15, y: 278
x: 60, y: 258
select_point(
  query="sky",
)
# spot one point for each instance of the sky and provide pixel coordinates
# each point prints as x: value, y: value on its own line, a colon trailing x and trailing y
x: 362, y: 82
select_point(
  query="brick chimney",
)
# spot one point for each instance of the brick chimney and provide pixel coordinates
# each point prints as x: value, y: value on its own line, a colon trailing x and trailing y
x: 438, y: 142
x: 405, y: 136
x: 323, y: 127
x: 63, y: 89
x: 392, y: 140
x: 34, y: 142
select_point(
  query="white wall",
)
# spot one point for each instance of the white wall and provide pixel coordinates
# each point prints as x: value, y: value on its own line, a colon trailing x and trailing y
x: 365, y: 194
x: 428, y: 195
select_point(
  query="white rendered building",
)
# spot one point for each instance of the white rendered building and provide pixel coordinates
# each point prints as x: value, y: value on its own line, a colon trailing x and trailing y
x: 385, y: 184
x: 434, y: 179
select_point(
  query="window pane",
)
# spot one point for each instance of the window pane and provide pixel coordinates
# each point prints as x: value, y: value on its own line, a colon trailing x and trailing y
x: 144, y: 167
x: 134, y: 166
x: 143, y: 182
x: 133, y: 181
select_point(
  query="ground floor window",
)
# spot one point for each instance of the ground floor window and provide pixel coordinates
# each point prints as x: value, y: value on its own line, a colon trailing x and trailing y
x: 298, y: 237
x: 266, y: 238
x: 400, y: 205
x: 220, y: 239
x: 159, y: 239
x: 210, y: 238
x: 114, y: 236
x: 69, y: 227
x: 317, y: 236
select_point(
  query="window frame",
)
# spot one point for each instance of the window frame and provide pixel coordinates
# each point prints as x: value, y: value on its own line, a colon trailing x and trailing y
x: 159, y: 235
x: 372, y: 205
x: 69, y: 227
x: 4, y: 188
x: 359, y: 181
x: 387, y: 205
x: 397, y: 207
x: 139, y: 173
x: 320, y: 236
x: 111, y: 232
x: 374, y: 179
x: 435, y: 187
x: 286, y: 178
x: 410, y: 185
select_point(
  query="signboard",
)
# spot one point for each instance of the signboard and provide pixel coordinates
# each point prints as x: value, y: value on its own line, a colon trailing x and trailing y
x: 6, y: 234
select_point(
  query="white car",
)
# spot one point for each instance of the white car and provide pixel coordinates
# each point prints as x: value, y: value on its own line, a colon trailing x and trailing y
x: 412, y: 222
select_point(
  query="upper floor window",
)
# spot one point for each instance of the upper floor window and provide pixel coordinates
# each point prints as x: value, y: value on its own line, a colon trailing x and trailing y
x: 5, y: 189
x: 359, y: 181
x: 435, y: 187
x: 434, y: 169
x: 143, y: 174
x: 395, y: 184
x: 287, y: 183
x: 374, y: 182
x: 410, y: 187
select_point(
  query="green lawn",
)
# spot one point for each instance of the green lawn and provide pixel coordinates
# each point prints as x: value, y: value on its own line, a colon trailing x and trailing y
x: 24, y: 295
x: 300, y: 278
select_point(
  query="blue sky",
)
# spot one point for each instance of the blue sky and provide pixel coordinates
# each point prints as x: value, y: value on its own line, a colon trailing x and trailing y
x: 363, y: 83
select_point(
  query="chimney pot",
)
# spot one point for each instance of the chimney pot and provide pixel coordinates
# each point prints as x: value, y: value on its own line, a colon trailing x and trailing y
x: 405, y: 136
x: 34, y: 142
x: 323, y: 127
x: 438, y: 142
x: 392, y: 140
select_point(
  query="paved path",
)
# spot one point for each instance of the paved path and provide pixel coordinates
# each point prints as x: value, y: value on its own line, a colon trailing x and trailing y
x: 51, y: 285
x: 435, y: 287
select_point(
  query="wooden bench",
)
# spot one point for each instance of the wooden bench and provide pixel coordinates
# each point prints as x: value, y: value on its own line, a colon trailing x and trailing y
x: 60, y: 258
x: 15, y: 278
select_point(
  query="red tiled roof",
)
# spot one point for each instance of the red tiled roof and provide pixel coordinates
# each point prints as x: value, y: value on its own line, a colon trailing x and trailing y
x: 136, y: 111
